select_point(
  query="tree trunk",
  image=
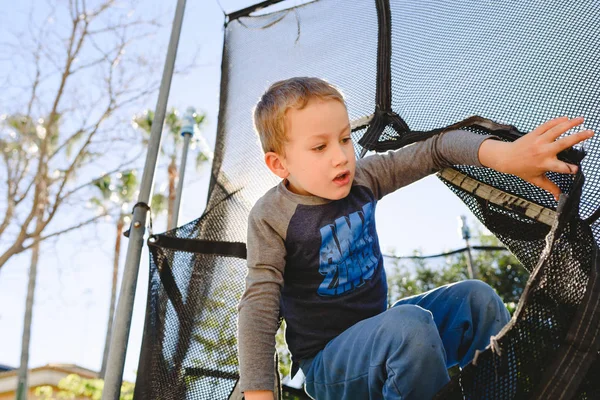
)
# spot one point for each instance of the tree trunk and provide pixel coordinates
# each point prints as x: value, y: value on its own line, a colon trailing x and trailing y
x: 172, y: 171
x: 113, y: 295
x: 42, y: 197
x: 22, y: 388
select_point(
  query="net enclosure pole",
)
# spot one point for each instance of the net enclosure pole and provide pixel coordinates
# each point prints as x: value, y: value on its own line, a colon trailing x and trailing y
x: 187, y: 131
x: 122, y: 323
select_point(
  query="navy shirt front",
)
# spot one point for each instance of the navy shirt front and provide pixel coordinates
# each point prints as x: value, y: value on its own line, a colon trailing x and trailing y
x: 334, y: 274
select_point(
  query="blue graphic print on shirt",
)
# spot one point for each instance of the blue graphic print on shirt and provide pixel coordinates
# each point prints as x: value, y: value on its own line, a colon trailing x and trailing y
x: 346, y: 254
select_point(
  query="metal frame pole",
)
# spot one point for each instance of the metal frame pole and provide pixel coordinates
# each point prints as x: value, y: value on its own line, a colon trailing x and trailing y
x: 122, y: 322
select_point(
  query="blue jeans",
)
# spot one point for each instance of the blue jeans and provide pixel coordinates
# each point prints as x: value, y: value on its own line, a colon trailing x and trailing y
x: 404, y: 352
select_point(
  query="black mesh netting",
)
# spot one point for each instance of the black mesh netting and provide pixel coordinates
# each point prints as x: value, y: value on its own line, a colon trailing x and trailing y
x: 408, y: 69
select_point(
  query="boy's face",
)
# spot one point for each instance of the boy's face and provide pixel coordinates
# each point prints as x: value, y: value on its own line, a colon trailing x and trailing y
x: 319, y: 157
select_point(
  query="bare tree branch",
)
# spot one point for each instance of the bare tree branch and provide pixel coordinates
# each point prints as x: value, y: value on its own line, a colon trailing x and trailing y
x: 102, y: 8
x: 72, y: 167
x: 89, y: 65
x: 10, y: 204
x: 67, y: 142
x: 113, y: 28
x: 36, y: 81
x: 41, y: 174
x: 25, y: 192
x: 49, y: 88
x: 72, y: 228
x: 119, y: 168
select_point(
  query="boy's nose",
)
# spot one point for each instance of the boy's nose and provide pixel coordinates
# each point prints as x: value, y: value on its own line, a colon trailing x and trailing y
x: 340, y: 157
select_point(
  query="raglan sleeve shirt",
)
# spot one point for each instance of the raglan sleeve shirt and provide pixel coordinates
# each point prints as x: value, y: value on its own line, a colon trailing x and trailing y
x: 390, y: 171
x: 258, y: 318
x: 259, y: 307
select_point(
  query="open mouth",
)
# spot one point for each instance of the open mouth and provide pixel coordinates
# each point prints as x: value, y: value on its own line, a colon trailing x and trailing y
x: 342, y: 177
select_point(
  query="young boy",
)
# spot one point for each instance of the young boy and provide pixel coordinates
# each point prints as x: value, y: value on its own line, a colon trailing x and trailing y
x: 314, y: 257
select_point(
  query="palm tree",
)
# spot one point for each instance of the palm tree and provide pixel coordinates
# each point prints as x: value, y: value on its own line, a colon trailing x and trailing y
x: 118, y: 194
x: 32, y: 135
x: 171, y: 147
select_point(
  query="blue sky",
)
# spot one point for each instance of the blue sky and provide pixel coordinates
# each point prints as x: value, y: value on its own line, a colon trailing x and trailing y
x: 73, y: 289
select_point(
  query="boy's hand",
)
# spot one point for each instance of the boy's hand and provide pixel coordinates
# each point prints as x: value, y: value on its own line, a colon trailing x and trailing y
x: 535, y: 153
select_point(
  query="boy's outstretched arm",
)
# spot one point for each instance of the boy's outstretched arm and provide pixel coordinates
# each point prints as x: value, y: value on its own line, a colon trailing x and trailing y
x: 535, y: 153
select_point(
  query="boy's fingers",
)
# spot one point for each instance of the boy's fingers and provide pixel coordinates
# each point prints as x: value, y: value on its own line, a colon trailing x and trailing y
x: 554, y: 132
x: 549, y: 124
x: 546, y: 184
x: 572, y: 140
x: 563, y: 167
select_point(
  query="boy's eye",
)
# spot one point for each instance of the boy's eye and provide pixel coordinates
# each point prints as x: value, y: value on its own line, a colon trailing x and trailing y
x: 346, y: 140
x: 319, y: 148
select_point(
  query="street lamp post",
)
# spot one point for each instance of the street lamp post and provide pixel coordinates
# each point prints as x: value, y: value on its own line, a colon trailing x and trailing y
x: 187, y: 131
x: 466, y: 235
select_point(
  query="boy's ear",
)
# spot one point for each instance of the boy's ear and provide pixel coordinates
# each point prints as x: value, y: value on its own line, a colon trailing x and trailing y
x: 275, y: 163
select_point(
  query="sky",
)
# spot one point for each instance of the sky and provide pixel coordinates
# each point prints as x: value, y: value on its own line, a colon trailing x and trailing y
x: 72, y: 296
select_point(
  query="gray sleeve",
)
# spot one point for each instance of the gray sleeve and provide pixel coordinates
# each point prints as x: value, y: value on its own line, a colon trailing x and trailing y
x: 259, y: 306
x: 385, y: 173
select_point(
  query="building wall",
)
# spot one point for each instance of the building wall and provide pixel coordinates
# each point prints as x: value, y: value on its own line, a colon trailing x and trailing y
x: 42, y: 376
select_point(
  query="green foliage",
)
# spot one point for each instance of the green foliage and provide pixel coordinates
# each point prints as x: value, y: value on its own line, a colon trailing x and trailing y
x: 21, y: 136
x: 123, y: 186
x: 201, y: 158
x: 74, y: 386
x: 116, y: 192
x: 158, y: 203
x: 500, y: 269
x: 172, y: 128
x: 144, y: 121
x: 285, y: 365
x: 297, y: 394
x: 71, y: 143
x: 173, y: 122
x: 285, y: 359
x: 199, y: 118
x: 216, y: 334
x: 170, y: 147
x: 216, y: 330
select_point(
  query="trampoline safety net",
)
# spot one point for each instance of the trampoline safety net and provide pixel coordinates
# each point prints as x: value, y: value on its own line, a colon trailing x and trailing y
x: 408, y: 69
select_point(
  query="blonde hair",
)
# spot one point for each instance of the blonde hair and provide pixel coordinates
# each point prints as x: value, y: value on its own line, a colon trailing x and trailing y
x: 269, y: 113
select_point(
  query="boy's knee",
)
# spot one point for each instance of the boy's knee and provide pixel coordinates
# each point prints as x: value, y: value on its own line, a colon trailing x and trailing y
x: 482, y: 295
x: 476, y: 289
x: 408, y: 333
x: 408, y: 320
